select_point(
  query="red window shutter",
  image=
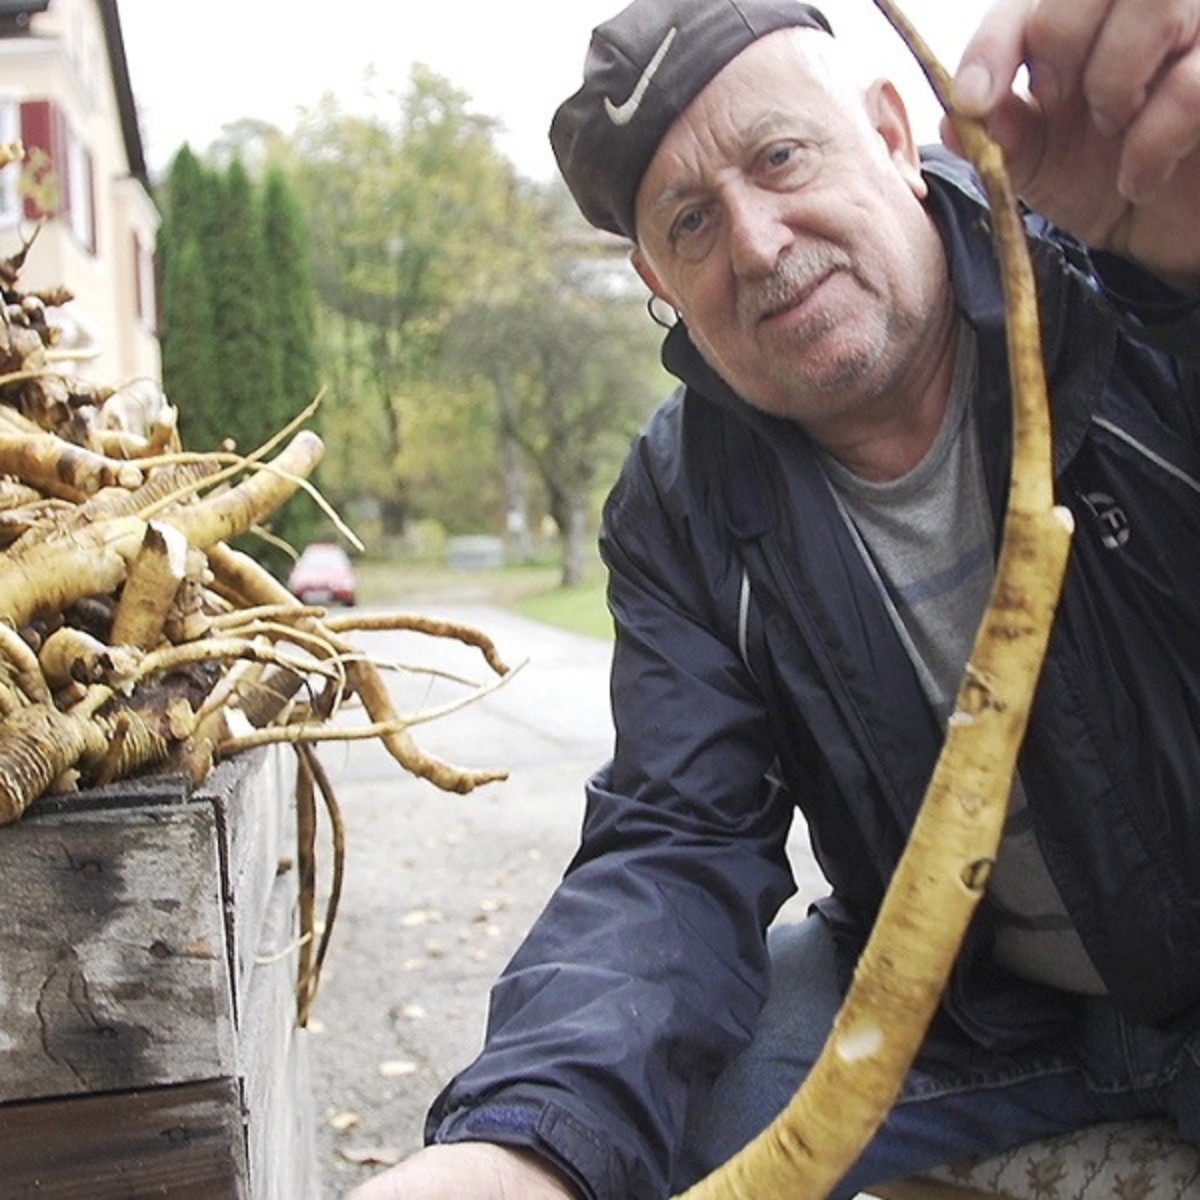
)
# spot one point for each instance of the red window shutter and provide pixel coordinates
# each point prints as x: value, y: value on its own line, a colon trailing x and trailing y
x: 39, y: 122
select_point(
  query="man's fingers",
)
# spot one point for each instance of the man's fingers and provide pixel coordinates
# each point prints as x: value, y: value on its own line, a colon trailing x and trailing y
x: 1125, y: 66
x: 1166, y: 131
x: 1058, y: 41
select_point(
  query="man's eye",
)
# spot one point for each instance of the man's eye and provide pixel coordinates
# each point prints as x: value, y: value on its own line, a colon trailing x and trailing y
x: 692, y: 233
x: 789, y: 163
x: 779, y: 156
x: 688, y: 224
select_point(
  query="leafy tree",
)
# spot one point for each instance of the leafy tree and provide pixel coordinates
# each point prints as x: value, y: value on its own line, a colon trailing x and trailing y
x: 477, y: 363
x: 449, y: 459
x: 572, y: 370
x: 189, y: 201
x: 256, y: 143
x: 405, y: 217
x: 290, y: 298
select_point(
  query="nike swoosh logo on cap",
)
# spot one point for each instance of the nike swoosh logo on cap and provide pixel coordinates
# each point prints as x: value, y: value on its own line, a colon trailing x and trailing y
x: 622, y: 114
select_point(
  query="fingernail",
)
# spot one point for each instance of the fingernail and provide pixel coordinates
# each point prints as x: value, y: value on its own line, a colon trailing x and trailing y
x: 972, y: 89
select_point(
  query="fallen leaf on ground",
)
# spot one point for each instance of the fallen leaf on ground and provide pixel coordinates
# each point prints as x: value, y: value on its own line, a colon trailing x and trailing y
x: 395, y: 1068
x: 371, y: 1156
x: 420, y: 916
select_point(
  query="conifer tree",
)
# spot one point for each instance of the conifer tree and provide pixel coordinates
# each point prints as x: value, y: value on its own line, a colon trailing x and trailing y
x: 290, y: 312
x: 290, y: 291
x: 189, y: 359
x: 249, y: 361
x: 238, y: 318
x: 189, y: 362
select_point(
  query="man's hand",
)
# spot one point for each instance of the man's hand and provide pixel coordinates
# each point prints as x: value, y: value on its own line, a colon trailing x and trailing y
x: 1108, y: 144
x: 467, y: 1171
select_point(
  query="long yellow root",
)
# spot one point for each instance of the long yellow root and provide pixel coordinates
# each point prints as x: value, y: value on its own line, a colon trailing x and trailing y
x: 60, y: 570
x: 61, y: 468
x: 228, y: 514
x: 153, y: 580
x: 944, y: 870
x: 55, y: 572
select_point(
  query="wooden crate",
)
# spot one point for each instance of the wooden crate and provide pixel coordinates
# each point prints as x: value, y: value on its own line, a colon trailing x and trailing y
x: 147, y: 1015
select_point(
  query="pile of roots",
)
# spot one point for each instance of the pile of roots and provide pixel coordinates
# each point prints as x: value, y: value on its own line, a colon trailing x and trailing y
x: 133, y: 637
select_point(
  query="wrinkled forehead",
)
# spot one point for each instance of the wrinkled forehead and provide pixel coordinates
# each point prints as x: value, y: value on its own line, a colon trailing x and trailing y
x: 643, y: 69
x: 789, y: 84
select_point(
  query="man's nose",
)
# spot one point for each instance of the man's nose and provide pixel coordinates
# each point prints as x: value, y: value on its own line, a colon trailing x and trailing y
x: 757, y: 232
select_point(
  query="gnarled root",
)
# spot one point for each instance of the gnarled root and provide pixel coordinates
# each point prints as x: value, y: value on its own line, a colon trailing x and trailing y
x: 241, y: 577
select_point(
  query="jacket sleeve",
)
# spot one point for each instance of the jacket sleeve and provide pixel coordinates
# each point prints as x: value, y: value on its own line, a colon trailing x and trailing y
x: 646, y: 971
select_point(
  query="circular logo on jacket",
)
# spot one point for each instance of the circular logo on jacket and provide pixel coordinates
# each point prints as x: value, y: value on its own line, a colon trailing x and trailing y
x: 1113, y: 521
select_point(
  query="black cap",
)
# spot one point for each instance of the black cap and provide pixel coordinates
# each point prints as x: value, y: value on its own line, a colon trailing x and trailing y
x: 643, y: 68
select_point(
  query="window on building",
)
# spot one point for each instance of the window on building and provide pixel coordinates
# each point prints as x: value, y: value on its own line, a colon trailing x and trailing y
x: 10, y: 193
x: 80, y: 190
x: 145, y: 287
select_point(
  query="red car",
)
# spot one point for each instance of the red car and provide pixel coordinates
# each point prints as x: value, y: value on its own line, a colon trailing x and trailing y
x: 323, y: 574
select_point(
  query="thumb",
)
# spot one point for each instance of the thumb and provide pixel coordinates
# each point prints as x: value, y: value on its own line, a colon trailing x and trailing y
x: 991, y: 59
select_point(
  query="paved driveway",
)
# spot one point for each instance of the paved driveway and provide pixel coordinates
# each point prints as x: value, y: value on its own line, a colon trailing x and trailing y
x: 440, y: 888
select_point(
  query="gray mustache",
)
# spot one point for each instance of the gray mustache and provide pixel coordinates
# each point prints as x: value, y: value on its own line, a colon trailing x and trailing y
x: 793, y: 276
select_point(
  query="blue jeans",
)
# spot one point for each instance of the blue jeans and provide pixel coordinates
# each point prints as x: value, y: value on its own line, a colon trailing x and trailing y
x: 959, y: 1101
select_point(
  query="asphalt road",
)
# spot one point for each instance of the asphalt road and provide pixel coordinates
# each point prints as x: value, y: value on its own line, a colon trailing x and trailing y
x: 440, y: 888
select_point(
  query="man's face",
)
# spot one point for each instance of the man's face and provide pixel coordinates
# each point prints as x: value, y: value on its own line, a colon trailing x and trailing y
x: 782, y: 216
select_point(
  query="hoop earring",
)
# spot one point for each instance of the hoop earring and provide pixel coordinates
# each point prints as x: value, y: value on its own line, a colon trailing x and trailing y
x: 655, y: 305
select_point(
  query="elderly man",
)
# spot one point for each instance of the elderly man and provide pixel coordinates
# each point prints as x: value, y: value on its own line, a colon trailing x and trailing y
x: 800, y: 547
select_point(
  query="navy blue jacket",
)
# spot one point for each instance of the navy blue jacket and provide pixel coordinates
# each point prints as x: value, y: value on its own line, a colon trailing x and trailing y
x: 756, y: 671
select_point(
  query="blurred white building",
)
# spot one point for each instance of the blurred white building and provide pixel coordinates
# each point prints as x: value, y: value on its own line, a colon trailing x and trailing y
x: 65, y: 94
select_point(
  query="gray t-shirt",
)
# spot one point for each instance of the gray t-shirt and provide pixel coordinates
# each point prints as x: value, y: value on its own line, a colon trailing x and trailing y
x: 927, y: 539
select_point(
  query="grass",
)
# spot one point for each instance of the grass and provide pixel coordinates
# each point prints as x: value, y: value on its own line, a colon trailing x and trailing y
x: 533, y: 591
x: 580, y: 609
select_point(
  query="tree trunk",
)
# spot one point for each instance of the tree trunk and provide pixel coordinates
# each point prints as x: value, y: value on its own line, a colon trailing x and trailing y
x: 570, y: 513
x: 516, y: 484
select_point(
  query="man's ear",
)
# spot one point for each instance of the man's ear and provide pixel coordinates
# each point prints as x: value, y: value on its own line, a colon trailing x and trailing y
x: 649, y: 276
x: 885, y: 107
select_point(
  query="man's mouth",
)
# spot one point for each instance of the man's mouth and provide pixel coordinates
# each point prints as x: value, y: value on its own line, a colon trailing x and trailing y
x: 796, y: 298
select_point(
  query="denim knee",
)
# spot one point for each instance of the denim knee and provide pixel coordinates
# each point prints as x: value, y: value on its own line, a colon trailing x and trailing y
x: 802, y: 1001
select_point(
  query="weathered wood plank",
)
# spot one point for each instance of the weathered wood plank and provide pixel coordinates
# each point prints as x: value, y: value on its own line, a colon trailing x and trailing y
x: 114, y: 971
x: 184, y: 1142
x: 274, y: 1061
x: 150, y: 948
x: 254, y: 799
